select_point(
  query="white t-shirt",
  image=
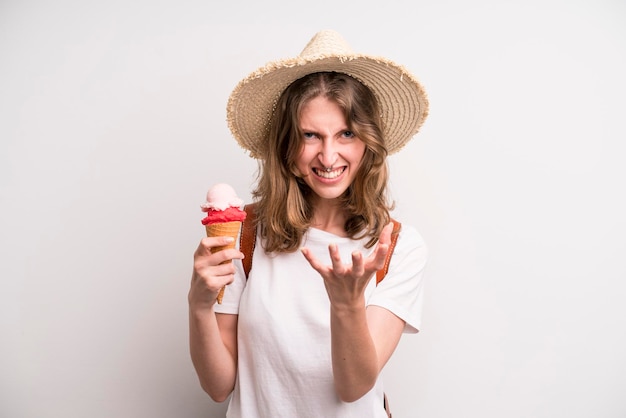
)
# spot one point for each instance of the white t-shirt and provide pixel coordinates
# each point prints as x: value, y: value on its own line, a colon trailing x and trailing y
x: 284, y: 347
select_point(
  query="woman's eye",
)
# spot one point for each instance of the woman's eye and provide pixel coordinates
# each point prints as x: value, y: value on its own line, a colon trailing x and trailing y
x: 348, y: 134
x: 308, y: 135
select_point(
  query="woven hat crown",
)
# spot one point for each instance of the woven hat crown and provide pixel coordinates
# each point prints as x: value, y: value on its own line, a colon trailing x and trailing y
x: 325, y: 43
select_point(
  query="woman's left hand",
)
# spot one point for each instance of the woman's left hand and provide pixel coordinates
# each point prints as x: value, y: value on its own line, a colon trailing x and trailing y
x: 346, y: 283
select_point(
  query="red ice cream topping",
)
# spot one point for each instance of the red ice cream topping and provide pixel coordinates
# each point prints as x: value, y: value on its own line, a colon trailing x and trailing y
x: 228, y: 215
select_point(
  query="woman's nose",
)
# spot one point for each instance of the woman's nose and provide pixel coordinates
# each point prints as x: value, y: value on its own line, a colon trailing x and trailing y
x: 328, y: 153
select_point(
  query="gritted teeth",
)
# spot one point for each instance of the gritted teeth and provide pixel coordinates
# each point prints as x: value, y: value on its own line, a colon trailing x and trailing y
x: 329, y: 174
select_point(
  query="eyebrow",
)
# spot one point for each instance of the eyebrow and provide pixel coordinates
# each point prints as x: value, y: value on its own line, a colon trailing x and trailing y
x: 313, y: 131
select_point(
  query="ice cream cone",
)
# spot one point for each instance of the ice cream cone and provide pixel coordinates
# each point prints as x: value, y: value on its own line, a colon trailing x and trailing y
x: 223, y: 229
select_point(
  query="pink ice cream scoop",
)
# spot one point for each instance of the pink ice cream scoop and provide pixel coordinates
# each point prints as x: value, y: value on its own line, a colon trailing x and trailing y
x: 222, y: 205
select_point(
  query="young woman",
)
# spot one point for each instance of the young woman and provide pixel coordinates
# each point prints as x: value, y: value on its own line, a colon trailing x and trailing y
x: 308, y: 332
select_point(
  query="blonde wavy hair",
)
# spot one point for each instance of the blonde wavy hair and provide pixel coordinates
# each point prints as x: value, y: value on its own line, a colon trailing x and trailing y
x: 284, y: 202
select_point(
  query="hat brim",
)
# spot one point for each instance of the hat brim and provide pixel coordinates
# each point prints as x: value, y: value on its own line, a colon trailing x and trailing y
x: 402, y: 99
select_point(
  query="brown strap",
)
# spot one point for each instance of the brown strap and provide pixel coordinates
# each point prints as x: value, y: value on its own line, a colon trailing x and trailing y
x: 247, y: 239
x: 380, y: 274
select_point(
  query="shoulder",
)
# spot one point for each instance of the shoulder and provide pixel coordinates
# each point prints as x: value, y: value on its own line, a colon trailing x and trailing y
x: 410, y: 253
x: 410, y: 239
x: 402, y: 289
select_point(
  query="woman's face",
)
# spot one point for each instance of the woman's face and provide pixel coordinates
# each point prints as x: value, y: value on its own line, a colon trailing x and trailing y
x: 327, y: 143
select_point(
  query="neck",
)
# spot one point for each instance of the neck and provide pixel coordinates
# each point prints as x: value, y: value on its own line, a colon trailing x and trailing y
x: 330, y: 217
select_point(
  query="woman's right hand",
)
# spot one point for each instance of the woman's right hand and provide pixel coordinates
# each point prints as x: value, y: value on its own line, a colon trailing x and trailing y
x: 209, y: 274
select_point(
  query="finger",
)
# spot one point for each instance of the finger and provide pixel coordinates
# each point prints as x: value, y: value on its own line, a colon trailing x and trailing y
x: 382, y: 247
x: 224, y: 281
x: 335, y: 258
x: 380, y: 254
x: 230, y: 254
x: 385, y: 234
x: 211, y: 242
x: 223, y: 268
x: 358, y: 265
x: 313, y: 261
x: 213, y: 278
x: 219, y: 241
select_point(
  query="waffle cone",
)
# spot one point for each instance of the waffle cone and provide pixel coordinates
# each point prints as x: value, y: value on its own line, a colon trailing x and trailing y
x: 223, y: 229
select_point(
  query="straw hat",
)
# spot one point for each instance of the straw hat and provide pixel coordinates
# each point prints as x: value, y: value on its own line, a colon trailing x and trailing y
x: 402, y: 99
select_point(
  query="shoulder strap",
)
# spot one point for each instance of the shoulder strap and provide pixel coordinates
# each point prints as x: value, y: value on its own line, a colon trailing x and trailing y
x: 247, y: 238
x: 380, y: 274
x: 247, y: 241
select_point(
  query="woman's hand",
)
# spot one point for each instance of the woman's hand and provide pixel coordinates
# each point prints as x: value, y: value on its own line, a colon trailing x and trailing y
x: 209, y: 275
x: 346, y: 283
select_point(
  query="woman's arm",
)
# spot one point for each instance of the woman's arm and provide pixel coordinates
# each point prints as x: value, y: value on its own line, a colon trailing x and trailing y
x: 213, y: 347
x: 362, y: 338
x: 212, y: 337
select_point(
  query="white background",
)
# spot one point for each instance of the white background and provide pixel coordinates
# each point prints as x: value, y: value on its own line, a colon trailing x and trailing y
x: 112, y: 127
